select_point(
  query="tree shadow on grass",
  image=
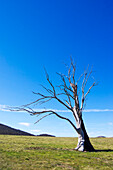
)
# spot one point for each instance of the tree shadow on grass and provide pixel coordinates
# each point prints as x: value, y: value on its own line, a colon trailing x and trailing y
x: 103, y: 150
x: 65, y: 149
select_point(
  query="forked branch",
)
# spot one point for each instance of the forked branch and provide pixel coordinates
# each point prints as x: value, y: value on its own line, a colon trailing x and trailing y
x: 50, y: 112
x: 69, y: 90
x: 85, y: 80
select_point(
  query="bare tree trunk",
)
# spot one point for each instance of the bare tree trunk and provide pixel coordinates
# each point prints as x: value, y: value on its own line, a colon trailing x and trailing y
x: 81, y: 140
x: 87, y: 144
x: 84, y: 143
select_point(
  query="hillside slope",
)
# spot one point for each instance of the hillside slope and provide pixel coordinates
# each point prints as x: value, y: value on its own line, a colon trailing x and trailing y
x: 6, y: 130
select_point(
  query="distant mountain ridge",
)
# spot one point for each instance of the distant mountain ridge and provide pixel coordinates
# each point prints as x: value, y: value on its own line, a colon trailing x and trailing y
x: 6, y: 130
x: 46, y: 135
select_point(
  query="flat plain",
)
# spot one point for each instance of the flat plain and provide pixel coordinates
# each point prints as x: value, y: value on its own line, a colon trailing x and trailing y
x: 35, y: 153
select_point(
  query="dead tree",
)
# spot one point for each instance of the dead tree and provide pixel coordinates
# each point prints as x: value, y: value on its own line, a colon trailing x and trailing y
x: 72, y: 102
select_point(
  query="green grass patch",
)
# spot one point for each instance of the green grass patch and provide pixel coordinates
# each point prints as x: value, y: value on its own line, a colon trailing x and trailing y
x: 30, y: 152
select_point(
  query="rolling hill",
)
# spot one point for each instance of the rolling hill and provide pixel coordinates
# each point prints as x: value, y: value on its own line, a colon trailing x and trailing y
x: 6, y: 130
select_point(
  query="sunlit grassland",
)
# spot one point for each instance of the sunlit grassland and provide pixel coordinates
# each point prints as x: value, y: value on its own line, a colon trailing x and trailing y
x: 27, y: 152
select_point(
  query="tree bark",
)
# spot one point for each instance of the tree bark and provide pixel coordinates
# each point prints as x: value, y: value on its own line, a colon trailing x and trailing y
x: 87, y: 144
x: 84, y: 143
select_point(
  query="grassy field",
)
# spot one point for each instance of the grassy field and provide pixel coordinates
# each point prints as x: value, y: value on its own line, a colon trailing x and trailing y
x: 27, y: 152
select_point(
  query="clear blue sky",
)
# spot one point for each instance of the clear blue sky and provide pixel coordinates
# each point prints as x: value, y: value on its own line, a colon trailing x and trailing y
x: 39, y: 33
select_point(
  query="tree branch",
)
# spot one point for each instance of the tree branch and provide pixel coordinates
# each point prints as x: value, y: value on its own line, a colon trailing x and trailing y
x: 43, y: 117
x: 73, y: 71
x: 52, y: 112
x: 32, y: 112
x: 89, y: 89
x: 86, y: 77
x: 47, y: 77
